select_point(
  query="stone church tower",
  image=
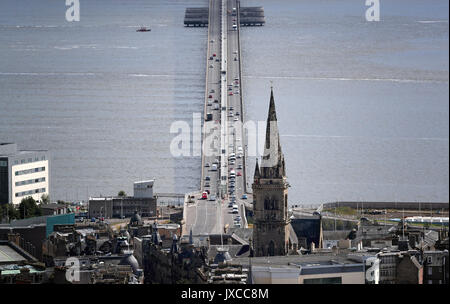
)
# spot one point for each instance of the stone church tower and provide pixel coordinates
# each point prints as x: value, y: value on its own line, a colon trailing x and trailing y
x: 271, y: 230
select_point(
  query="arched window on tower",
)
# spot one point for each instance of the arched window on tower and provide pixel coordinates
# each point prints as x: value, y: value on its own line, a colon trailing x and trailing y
x: 273, y: 203
x: 266, y: 203
x: 271, y: 251
x: 286, y: 205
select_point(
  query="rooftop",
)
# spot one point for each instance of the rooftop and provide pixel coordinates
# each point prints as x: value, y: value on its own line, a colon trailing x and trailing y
x: 10, y: 149
x: 53, y: 206
x: 296, y: 261
x: 9, y: 255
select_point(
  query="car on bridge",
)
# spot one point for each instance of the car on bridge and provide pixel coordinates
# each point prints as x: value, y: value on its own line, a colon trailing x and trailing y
x: 212, y: 198
x: 230, y: 94
x: 239, y: 173
x: 207, y: 165
x: 207, y: 178
x: 244, y: 196
x: 214, y: 55
x: 204, y: 195
x: 207, y: 184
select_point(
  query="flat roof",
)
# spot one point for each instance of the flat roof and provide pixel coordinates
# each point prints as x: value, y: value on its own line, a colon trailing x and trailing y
x: 52, y: 206
x: 298, y: 260
x: 145, y: 181
x: 8, y: 254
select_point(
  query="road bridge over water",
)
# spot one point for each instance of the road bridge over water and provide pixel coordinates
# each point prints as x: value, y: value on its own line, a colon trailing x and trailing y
x: 224, y: 148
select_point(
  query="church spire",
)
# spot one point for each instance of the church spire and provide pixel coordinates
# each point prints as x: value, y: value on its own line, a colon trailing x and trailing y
x: 272, y: 164
x: 257, y: 170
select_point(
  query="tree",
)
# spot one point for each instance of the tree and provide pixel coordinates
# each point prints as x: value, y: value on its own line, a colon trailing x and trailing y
x: 8, y: 212
x: 45, y: 198
x: 28, y: 208
x: 121, y: 193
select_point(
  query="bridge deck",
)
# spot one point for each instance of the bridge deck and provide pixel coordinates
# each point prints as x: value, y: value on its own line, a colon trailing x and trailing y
x: 223, y: 134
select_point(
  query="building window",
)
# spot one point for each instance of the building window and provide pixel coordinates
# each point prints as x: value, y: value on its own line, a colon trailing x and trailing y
x: 30, y: 181
x: 337, y: 280
x: 23, y: 172
x: 30, y: 192
x: 3, y: 163
x: 430, y: 271
x: 429, y: 260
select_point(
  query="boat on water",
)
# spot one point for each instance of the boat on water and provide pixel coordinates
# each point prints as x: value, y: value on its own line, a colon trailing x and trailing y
x: 143, y: 29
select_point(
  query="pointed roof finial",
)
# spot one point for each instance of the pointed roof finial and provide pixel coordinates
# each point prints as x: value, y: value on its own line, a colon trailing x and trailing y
x: 257, y: 174
x: 272, y: 115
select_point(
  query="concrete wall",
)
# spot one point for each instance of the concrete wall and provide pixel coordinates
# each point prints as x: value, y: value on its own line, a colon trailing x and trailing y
x: 285, y: 275
x: 274, y: 275
x: 390, y: 205
x: 347, y: 278
x: 143, y: 189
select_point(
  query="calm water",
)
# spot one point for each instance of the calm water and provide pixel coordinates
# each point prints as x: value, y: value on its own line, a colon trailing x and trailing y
x: 363, y: 107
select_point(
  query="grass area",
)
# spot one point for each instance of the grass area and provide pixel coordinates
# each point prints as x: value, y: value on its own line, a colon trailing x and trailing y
x: 342, y: 211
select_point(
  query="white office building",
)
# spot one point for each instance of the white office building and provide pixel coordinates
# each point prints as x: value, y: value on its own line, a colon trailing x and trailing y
x: 23, y: 173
